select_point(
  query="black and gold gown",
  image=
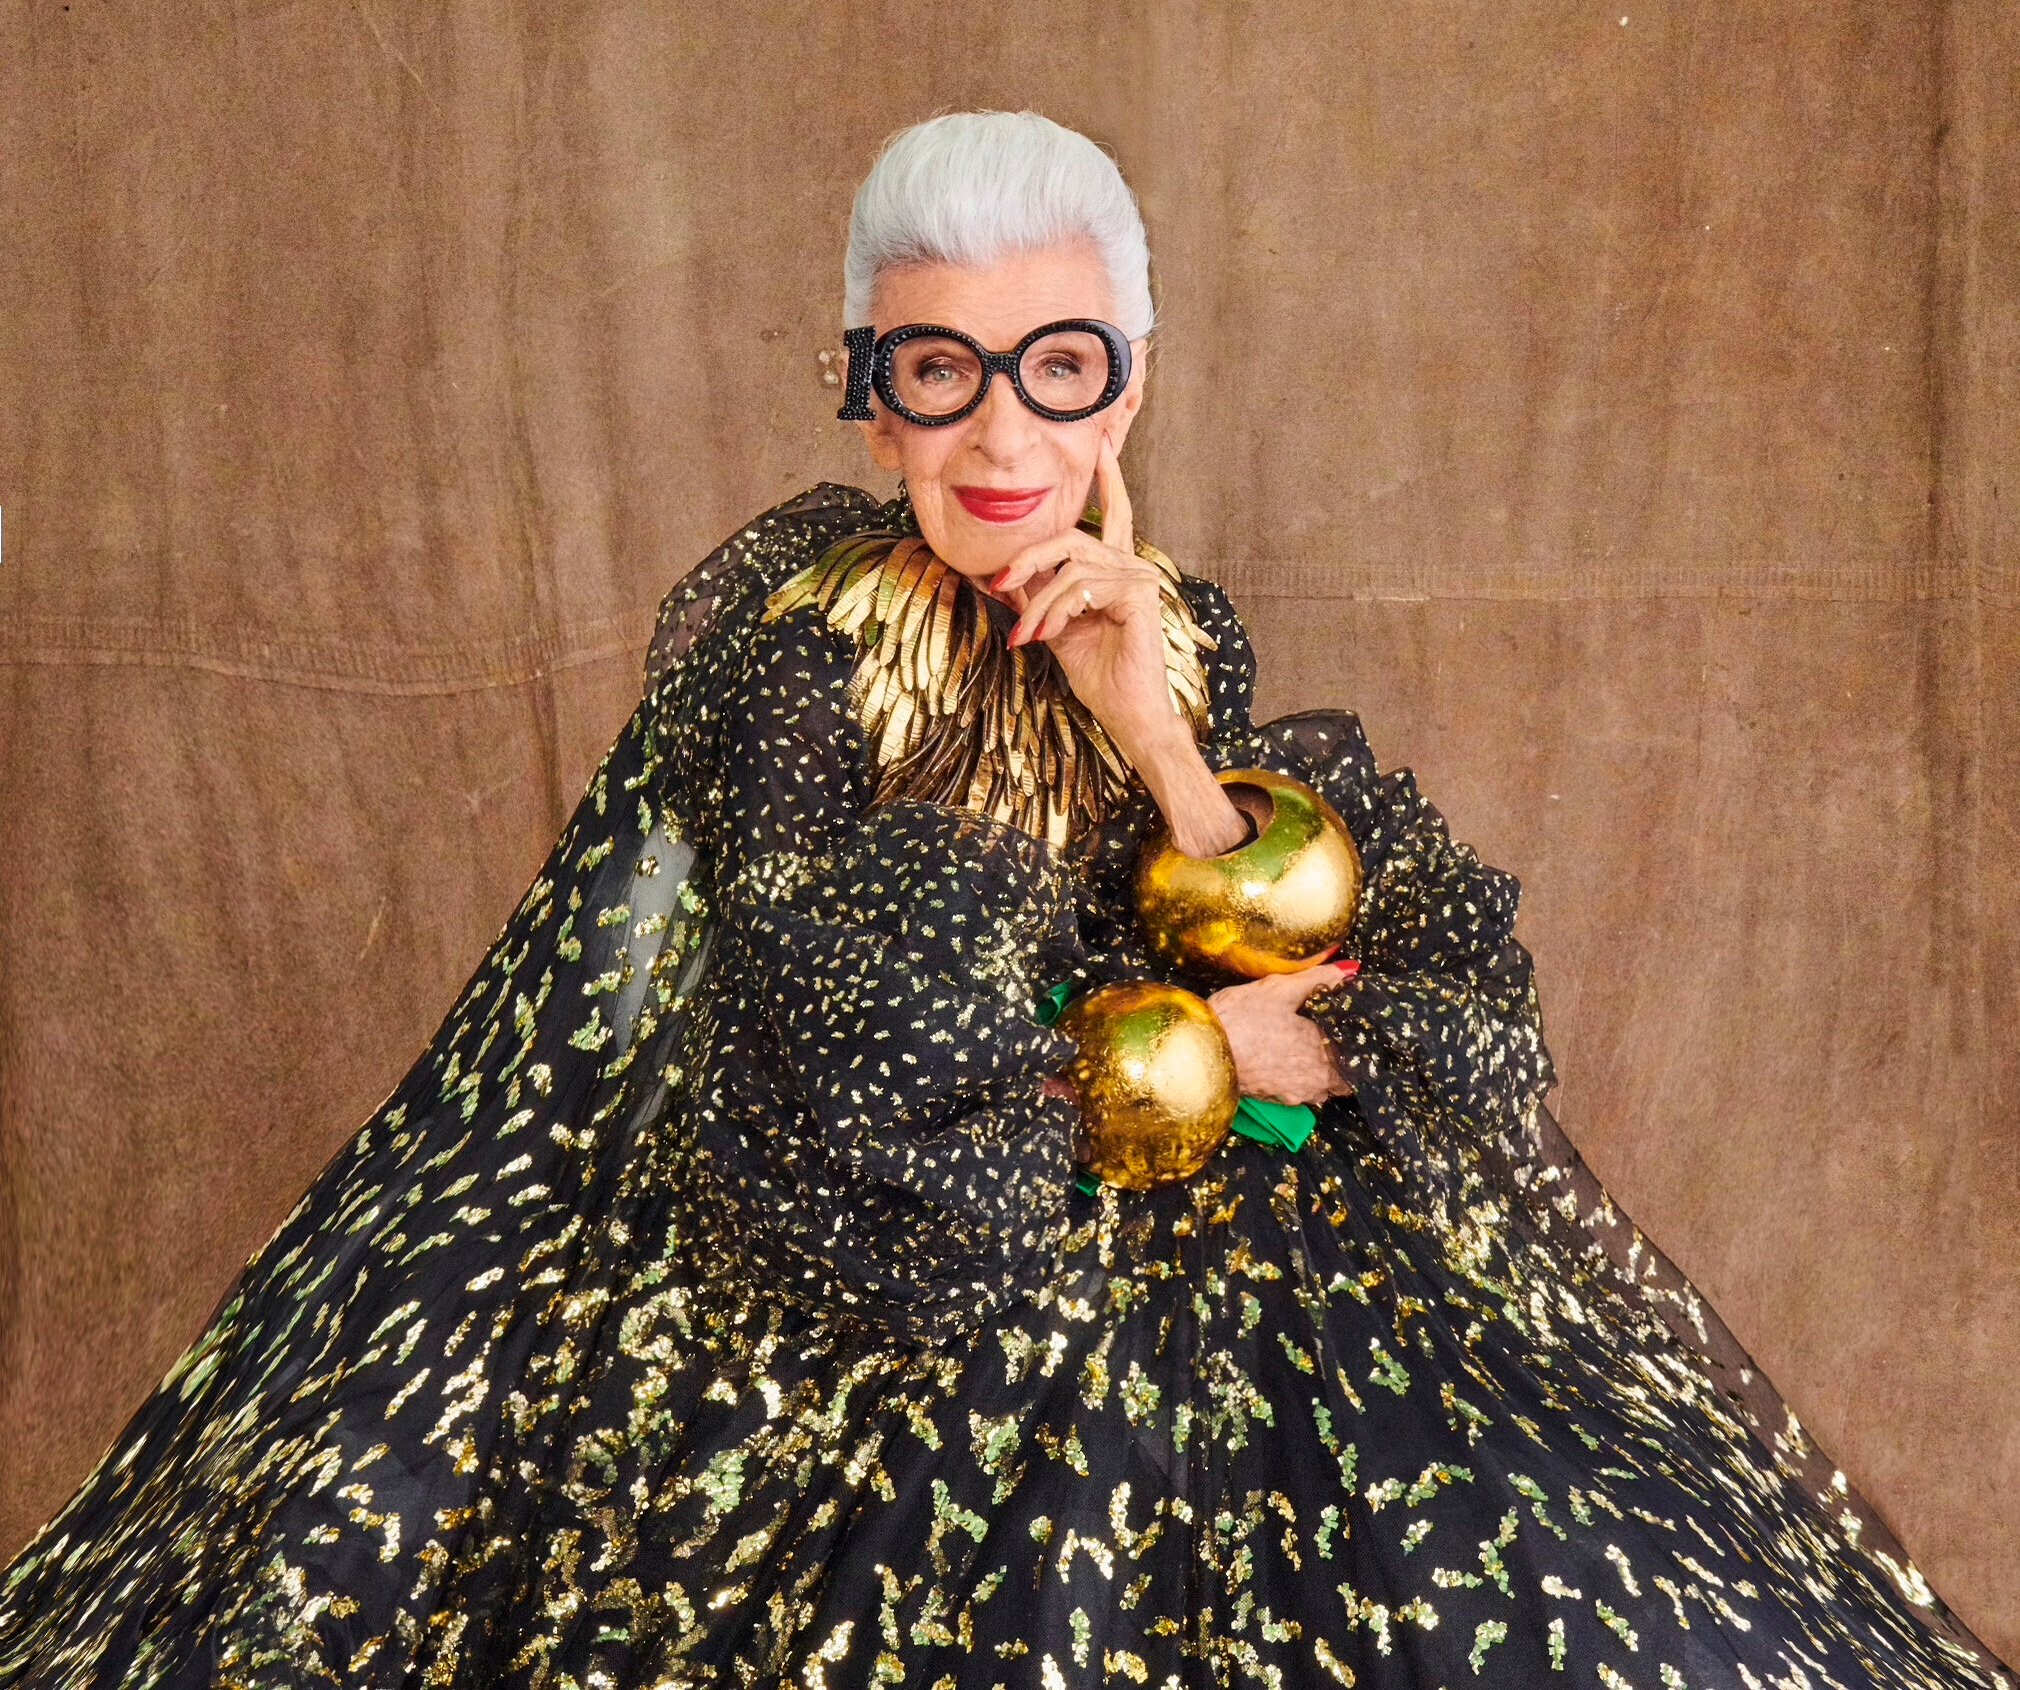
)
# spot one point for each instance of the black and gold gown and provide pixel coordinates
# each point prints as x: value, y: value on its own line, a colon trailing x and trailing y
x: 713, y: 1302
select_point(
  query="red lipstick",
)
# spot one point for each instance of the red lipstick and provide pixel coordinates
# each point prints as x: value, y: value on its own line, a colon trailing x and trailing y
x: 1001, y: 504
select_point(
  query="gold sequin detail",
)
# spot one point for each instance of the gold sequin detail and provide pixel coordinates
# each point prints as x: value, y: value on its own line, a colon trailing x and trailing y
x: 956, y: 716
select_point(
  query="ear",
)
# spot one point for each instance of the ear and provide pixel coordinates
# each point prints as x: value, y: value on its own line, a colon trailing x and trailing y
x: 879, y: 434
x: 1131, y: 399
x: 882, y: 439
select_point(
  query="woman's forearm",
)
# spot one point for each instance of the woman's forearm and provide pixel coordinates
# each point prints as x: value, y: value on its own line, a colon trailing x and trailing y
x: 1203, y: 820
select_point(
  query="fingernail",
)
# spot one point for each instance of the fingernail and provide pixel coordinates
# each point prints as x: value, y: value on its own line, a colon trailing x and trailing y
x: 1350, y: 967
x: 1000, y: 579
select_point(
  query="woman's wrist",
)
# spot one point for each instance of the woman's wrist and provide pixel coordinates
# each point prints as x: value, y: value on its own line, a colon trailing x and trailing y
x: 1203, y: 820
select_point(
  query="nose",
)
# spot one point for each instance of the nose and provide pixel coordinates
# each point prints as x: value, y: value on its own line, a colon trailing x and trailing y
x: 1003, y: 430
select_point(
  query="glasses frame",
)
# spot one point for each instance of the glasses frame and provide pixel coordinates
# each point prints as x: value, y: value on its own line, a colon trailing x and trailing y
x: 871, y: 357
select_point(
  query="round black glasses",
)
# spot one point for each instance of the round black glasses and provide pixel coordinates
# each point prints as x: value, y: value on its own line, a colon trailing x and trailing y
x: 932, y: 376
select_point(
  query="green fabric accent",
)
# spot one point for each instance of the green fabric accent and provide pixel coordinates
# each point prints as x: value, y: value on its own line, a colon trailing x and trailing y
x: 1052, y: 1002
x: 1282, y: 1126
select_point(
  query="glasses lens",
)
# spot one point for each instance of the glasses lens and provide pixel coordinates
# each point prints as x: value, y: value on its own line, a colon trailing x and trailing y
x: 933, y: 375
x: 1065, y: 371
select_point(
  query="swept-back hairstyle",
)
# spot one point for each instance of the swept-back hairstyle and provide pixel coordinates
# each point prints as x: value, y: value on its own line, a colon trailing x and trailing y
x: 969, y: 187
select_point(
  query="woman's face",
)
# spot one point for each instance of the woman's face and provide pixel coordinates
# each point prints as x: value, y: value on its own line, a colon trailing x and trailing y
x: 1001, y: 446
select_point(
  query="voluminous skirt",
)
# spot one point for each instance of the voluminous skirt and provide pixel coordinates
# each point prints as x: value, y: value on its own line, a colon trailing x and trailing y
x: 1298, y: 1421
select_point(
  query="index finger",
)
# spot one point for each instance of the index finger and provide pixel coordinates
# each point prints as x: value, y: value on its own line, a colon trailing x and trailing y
x: 1118, y: 527
x: 1301, y: 983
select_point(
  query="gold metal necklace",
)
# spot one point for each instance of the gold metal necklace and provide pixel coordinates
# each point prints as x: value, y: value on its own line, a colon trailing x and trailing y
x: 956, y: 716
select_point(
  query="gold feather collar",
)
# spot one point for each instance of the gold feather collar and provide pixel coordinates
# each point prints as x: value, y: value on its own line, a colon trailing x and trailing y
x: 956, y: 716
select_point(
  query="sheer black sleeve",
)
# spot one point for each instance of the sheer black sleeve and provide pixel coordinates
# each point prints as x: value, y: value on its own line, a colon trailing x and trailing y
x: 889, y: 957
x: 1442, y: 1022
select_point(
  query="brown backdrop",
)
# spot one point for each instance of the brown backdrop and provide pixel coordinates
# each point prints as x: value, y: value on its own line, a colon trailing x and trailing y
x: 1615, y: 404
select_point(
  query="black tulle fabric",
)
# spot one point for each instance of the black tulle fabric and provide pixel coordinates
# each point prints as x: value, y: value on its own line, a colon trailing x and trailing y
x: 712, y: 1304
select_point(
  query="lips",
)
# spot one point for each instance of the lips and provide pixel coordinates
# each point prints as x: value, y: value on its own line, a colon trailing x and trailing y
x: 1001, y: 504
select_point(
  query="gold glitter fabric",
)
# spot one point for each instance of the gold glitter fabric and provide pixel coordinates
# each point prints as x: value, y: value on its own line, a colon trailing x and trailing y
x: 712, y: 1305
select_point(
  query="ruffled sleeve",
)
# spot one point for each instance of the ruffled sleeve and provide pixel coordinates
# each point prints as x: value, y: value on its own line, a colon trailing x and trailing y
x: 885, y: 1133
x: 1442, y: 1023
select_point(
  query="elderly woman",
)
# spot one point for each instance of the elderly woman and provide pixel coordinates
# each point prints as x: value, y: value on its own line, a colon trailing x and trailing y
x: 718, y: 1300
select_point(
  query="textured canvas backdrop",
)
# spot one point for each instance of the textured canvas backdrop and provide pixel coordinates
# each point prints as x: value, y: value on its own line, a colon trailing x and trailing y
x: 1615, y: 404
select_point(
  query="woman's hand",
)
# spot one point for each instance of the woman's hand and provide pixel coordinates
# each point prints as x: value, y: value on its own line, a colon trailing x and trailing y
x: 1100, y: 609
x: 1279, y: 1053
x: 1097, y: 605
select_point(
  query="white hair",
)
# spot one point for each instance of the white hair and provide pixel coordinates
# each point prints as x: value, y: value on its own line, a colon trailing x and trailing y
x: 969, y: 187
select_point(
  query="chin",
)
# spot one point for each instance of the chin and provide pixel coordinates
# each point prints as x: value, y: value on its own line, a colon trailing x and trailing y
x: 979, y: 555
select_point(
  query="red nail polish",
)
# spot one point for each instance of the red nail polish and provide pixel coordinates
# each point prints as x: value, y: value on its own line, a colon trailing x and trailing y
x: 1001, y: 577
x: 1349, y: 968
